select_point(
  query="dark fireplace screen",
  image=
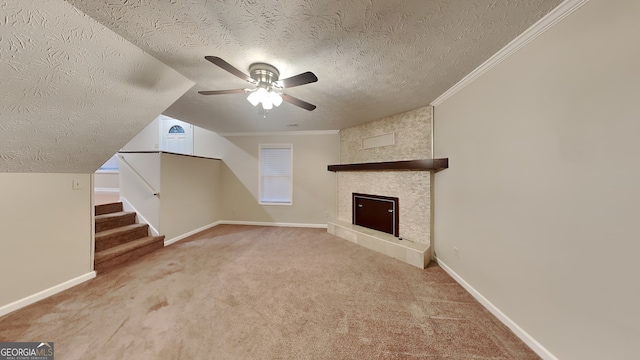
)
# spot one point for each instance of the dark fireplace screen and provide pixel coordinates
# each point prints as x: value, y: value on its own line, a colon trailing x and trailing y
x: 376, y: 212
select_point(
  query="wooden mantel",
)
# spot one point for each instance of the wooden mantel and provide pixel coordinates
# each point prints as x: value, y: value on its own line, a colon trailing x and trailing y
x: 423, y: 164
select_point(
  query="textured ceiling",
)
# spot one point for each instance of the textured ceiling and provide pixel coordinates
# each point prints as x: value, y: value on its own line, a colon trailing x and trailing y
x: 73, y: 92
x: 373, y: 58
x: 81, y: 77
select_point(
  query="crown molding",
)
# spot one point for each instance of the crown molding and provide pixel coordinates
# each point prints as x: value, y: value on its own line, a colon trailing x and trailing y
x: 553, y: 17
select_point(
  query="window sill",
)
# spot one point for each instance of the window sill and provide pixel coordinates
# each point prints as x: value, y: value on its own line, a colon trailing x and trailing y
x: 276, y: 204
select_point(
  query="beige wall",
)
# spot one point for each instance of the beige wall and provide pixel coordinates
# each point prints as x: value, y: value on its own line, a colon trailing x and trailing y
x: 207, y: 143
x: 190, y: 197
x: 133, y: 190
x: 229, y: 190
x: 541, y: 197
x: 106, y: 180
x: 46, y: 232
x: 412, y: 131
x: 314, y: 188
x: 188, y: 191
x: 314, y: 194
x: 146, y: 140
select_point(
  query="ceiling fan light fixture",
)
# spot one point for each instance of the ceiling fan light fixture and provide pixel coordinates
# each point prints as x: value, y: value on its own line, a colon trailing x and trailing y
x: 268, y: 98
x: 275, y: 98
x: 257, y: 96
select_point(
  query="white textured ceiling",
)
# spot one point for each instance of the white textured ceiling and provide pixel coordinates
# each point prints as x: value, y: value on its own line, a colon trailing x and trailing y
x: 81, y: 77
x: 373, y: 58
x: 72, y: 92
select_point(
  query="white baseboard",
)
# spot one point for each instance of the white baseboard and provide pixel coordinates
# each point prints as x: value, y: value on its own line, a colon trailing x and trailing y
x: 185, y: 235
x: 45, y: 293
x: 107, y: 190
x: 128, y: 207
x: 258, y: 223
x: 523, y: 335
x: 234, y: 222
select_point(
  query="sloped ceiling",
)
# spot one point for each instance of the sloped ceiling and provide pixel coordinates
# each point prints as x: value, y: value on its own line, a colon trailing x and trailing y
x: 73, y: 92
x: 373, y: 58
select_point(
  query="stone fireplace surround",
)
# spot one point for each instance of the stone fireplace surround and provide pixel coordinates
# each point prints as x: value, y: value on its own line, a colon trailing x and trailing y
x: 400, y: 167
x: 411, y: 187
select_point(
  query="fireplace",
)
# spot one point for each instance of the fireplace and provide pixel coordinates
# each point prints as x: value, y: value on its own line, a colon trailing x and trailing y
x: 412, y: 188
x: 376, y: 212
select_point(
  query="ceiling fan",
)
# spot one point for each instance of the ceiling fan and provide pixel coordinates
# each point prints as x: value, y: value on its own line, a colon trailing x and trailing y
x: 268, y: 91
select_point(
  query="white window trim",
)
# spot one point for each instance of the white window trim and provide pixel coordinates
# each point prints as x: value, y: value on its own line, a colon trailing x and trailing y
x: 273, y: 146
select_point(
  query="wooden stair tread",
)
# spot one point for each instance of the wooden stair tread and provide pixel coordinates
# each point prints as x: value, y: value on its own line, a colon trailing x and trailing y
x: 114, y: 220
x: 109, y: 238
x: 122, y: 249
x: 108, y: 208
x: 119, y: 239
x: 118, y: 230
x: 114, y: 215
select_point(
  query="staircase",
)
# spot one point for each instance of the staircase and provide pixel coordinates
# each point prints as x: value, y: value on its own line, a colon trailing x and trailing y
x: 119, y: 238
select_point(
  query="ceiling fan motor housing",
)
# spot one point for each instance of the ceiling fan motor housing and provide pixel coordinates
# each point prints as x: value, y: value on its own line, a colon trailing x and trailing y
x: 264, y: 74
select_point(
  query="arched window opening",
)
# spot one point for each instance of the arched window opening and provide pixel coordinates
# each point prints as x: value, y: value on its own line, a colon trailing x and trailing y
x: 176, y: 129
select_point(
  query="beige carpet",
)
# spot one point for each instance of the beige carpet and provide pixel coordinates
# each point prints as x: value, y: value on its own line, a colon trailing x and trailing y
x: 243, y: 292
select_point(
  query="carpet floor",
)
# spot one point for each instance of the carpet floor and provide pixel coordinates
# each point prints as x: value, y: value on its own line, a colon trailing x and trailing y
x: 250, y: 292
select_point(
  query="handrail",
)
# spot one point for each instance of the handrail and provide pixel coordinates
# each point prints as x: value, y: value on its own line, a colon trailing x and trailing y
x: 144, y: 182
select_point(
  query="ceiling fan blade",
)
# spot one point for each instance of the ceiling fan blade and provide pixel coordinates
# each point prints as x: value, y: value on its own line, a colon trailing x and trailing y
x: 297, y: 102
x: 221, y: 92
x: 229, y: 68
x: 297, y: 80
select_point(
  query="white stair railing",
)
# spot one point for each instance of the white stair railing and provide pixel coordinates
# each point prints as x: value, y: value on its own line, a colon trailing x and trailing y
x: 144, y: 182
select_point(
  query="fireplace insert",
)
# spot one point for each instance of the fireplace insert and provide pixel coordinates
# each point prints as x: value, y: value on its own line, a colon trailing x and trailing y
x: 376, y: 212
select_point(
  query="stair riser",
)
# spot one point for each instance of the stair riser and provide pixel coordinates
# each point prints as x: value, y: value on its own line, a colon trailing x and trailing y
x: 103, y: 243
x: 112, y: 263
x: 108, y: 208
x: 113, y: 223
x: 119, y: 239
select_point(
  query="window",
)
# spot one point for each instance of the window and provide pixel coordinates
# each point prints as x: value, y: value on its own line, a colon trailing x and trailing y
x: 176, y: 129
x: 276, y: 177
x: 111, y: 165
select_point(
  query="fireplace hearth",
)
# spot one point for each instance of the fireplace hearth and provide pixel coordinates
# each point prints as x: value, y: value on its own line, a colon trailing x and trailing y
x: 376, y: 212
